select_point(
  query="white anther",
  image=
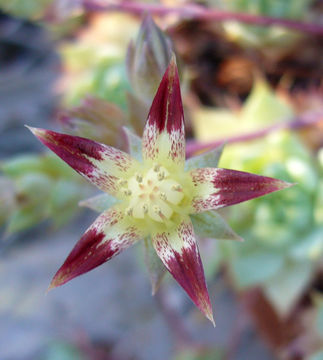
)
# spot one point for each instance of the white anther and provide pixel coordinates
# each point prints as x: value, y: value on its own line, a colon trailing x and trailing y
x: 129, y: 211
x: 161, y: 176
x: 163, y: 196
x: 156, y: 209
x: 176, y: 188
x: 123, y: 182
x: 145, y: 208
x: 156, y: 167
x: 139, y: 178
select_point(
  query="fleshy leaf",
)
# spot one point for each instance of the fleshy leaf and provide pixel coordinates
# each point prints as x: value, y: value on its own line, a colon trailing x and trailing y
x: 110, y: 233
x: 63, y: 200
x: 164, y: 133
x: 99, y: 203
x: 155, y: 267
x: 97, y: 120
x: 256, y: 267
x: 134, y: 144
x: 102, y: 165
x: 177, y: 249
x: 210, y: 224
x: 284, y: 289
x: 137, y: 113
x: 207, y: 159
x: 216, y: 188
x: 147, y: 59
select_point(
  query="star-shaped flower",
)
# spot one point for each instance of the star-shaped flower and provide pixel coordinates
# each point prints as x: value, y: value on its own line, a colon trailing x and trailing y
x: 156, y: 196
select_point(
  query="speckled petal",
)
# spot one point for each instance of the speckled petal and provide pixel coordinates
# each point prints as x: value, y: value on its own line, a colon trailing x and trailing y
x: 164, y: 133
x: 100, y: 164
x: 177, y: 249
x: 106, y: 237
x: 216, y: 188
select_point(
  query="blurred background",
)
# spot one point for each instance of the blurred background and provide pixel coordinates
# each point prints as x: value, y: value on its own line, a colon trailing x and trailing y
x: 90, y: 67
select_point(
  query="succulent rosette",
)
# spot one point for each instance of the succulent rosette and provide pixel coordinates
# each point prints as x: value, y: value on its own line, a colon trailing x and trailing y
x: 157, y: 198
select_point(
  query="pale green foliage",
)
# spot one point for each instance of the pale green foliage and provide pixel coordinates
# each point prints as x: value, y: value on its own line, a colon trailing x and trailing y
x: 25, y: 8
x: 211, y: 225
x: 41, y: 187
x: 283, y: 230
x: 273, y: 40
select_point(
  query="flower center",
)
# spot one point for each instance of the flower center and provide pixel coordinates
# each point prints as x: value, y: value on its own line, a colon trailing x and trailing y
x: 153, y: 194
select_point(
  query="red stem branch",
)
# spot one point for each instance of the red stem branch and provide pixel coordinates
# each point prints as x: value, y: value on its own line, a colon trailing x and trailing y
x: 306, y: 120
x: 202, y: 13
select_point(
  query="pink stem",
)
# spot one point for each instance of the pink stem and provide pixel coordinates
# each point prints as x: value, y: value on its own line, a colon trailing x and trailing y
x: 307, y: 119
x: 202, y: 13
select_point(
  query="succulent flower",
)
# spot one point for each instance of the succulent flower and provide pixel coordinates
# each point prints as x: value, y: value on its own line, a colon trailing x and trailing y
x: 156, y: 197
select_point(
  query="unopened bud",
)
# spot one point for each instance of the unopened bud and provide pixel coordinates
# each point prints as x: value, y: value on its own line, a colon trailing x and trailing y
x: 148, y: 59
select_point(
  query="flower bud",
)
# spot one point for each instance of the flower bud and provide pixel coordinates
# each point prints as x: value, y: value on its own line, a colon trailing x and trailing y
x: 96, y: 119
x: 147, y: 60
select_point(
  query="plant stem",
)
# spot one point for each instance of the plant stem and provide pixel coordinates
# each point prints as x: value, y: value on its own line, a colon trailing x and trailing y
x: 303, y: 121
x: 202, y: 13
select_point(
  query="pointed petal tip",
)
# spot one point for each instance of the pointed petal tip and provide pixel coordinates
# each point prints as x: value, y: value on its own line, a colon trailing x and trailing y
x: 147, y: 19
x: 30, y: 128
x: 172, y: 62
x: 171, y: 70
x: 288, y: 184
x: 278, y: 184
x: 38, y: 132
x: 51, y: 287
x: 240, y: 239
x: 209, y: 315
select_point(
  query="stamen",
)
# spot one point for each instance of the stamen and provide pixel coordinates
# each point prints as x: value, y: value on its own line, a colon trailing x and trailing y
x: 127, y: 192
x: 156, y: 209
x: 129, y: 211
x: 176, y: 188
x: 156, y: 167
x: 145, y: 208
x: 123, y: 182
x: 161, y: 176
x: 163, y: 196
x: 139, y: 178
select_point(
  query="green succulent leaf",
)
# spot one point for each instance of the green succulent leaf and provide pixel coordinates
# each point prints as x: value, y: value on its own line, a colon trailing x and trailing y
x: 24, y: 218
x: 254, y: 268
x: 63, y: 201
x: 210, y: 224
x: 311, y: 247
x: 284, y: 289
x: 134, y: 144
x: 26, y: 9
x: 317, y: 356
x: 207, y: 159
x: 156, y: 268
x: 99, y: 203
x: 22, y: 164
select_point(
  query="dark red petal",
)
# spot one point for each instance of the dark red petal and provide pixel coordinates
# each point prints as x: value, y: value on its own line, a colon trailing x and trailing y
x: 179, y: 253
x: 166, y: 117
x: 106, y: 237
x: 101, y: 164
x: 216, y: 188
